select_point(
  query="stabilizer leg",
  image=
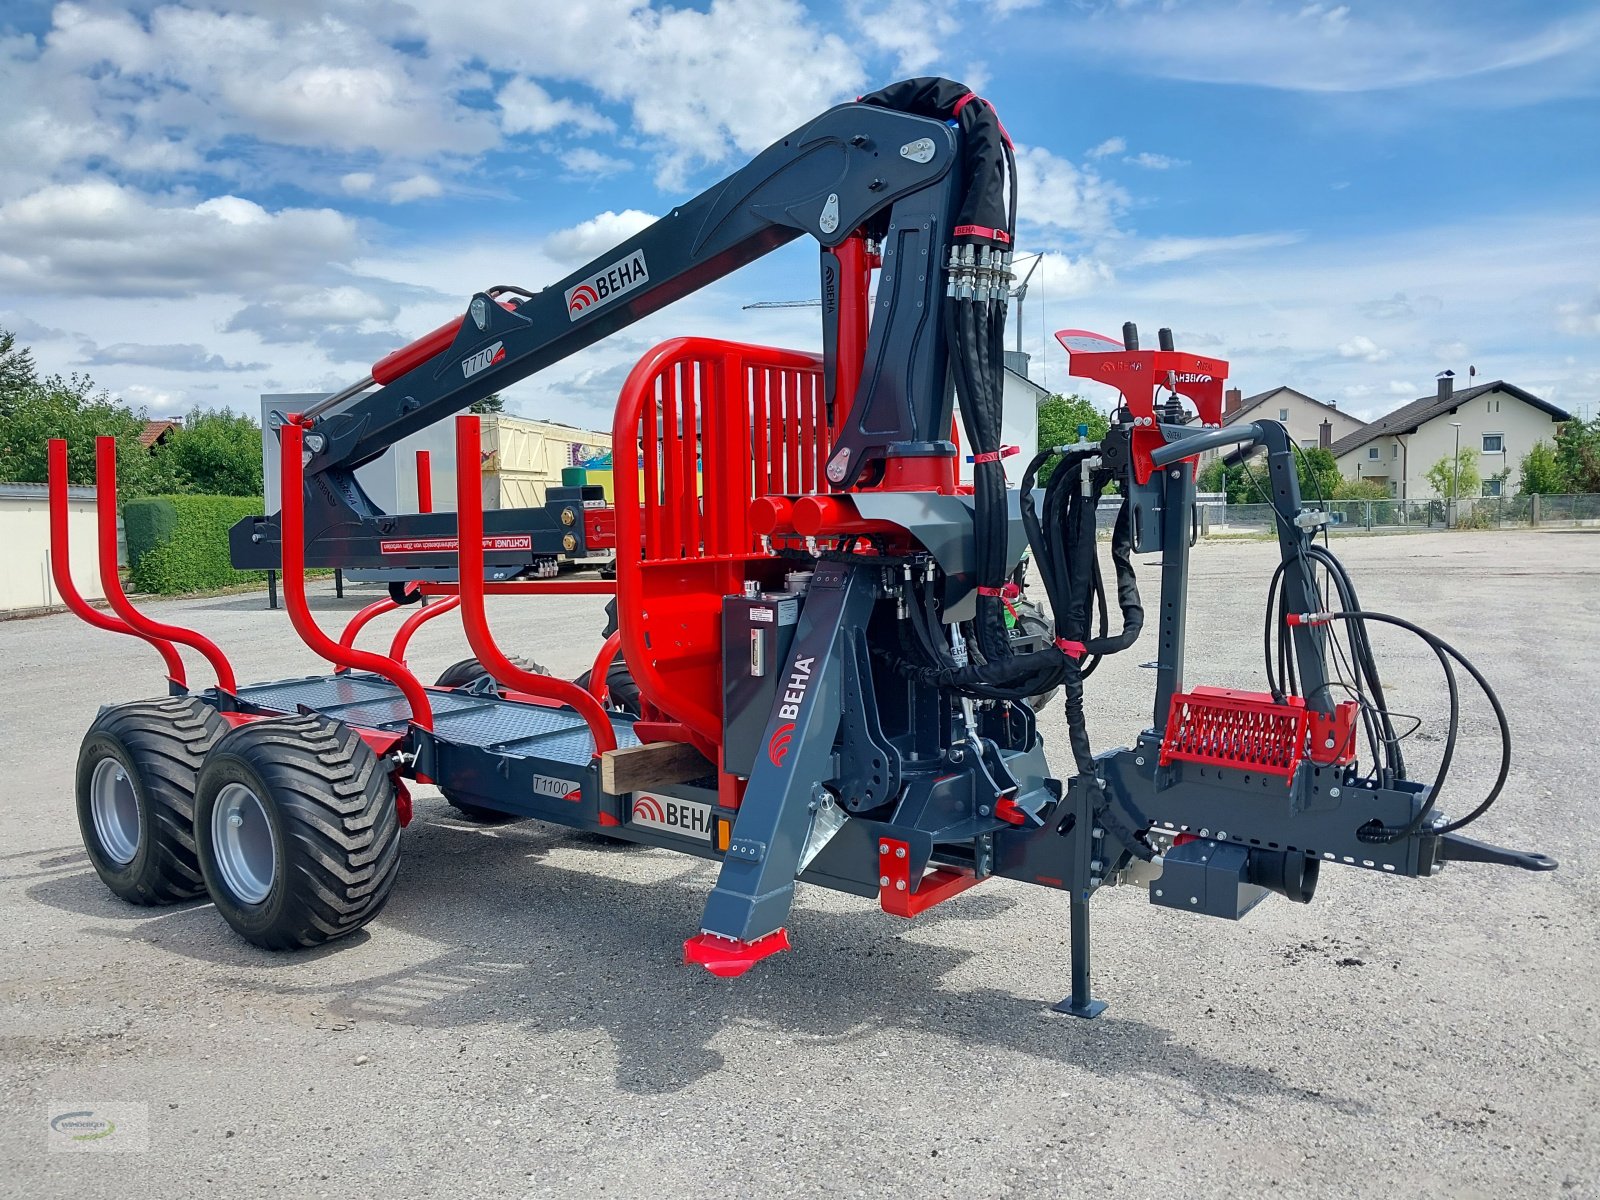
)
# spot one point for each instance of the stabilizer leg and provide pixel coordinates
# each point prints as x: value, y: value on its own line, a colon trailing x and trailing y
x: 1080, y: 1003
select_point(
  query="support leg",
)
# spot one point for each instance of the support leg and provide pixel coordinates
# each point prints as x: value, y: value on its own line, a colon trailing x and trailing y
x: 1080, y: 1003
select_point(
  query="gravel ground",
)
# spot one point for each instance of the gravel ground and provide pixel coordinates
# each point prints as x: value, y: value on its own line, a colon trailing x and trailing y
x: 518, y: 1021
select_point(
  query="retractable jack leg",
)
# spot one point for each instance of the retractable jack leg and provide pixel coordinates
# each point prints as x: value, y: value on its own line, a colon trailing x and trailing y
x: 1080, y: 1003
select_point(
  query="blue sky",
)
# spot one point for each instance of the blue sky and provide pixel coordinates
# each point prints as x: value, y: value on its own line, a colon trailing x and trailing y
x: 205, y: 201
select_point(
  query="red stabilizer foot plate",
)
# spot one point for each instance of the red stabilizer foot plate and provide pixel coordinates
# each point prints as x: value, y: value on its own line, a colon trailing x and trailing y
x: 729, y: 957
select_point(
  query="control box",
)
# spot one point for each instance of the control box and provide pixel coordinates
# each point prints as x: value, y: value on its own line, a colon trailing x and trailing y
x: 757, y: 634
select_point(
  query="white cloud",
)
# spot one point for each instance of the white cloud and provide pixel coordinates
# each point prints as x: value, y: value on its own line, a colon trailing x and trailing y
x: 1580, y: 316
x: 188, y: 356
x: 358, y: 183
x: 1112, y: 145
x: 1363, y: 348
x: 1058, y: 195
x: 912, y: 30
x: 417, y: 187
x: 588, y: 163
x: 595, y: 236
x: 1152, y: 251
x: 1155, y: 162
x: 525, y: 107
x: 1288, y: 44
x: 113, y: 240
x: 290, y: 314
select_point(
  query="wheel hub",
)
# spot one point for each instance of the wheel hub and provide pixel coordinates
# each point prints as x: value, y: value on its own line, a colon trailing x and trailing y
x: 245, y: 844
x: 115, y: 810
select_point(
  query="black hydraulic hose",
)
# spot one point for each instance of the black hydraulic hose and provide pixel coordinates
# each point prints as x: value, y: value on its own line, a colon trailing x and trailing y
x: 1367, y: 660
x: 1127, y: 589
x: 1444, y: 651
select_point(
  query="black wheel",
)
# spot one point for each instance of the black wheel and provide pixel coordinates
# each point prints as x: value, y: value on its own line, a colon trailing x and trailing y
x: 297, y: 831
x: 469, y: 671
x: 136, y: 785
x: 404, y: 593
x: 622, y: 693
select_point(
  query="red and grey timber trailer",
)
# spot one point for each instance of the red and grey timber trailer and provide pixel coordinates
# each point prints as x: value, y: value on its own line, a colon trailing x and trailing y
x: 815, y: 673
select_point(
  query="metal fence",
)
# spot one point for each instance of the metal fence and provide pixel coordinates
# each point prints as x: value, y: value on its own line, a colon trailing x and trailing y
x: 1486, y: 512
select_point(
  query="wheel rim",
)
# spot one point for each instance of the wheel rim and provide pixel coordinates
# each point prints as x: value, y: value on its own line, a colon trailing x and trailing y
x: 115, y: 810
x: 245, y: 844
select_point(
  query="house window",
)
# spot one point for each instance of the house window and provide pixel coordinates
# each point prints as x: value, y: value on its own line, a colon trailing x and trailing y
x: 1394, y: 451
x: 1372, y: 452
x: 1394, y: 487
x: 1494, y: 443
x: 1308, y: 443
x: 1283, y: 414
x: 1491, y: 487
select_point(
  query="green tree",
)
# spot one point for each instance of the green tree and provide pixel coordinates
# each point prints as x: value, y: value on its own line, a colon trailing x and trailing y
x: 1245, y: 482
x: 17, y: 372
x: 492, y: 403
x: 1541, y: 471
x: 1360, y: 489
x: 1452, y: 478
x: 214, y: 454
x: 1578, y: 450
x: 72, y: 408
x: 1059, y: 418
x: 1319, y: 474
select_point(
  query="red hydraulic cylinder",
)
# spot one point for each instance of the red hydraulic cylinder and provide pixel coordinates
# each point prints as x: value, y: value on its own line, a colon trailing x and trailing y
x: 855, y: 276
x: 771, y: 516
x: 816, y: 516
x: 430, y: 345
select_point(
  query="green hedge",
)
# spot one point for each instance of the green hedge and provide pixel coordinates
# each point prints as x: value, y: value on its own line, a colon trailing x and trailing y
x: 180, y: 543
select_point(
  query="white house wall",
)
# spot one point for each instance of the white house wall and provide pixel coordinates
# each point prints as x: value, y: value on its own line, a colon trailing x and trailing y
x: 1521, y: 425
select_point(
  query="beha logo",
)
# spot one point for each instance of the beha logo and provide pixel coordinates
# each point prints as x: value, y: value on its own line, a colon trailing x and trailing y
x: 1193, y: 377
x: 605, y: 286
x: 779, y: 745
x: 789, y: 711
x: 484, y: 358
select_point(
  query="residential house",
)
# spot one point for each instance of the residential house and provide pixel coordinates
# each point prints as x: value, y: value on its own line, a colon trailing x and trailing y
x: 156, y: 433
x: 1499, y: 422
x: 1310, y: 422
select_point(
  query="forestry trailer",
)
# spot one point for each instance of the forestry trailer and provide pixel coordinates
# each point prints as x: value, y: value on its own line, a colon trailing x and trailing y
x: 821, y: 667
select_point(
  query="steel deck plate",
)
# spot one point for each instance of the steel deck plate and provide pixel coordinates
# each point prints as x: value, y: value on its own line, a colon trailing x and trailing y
x: 465, y: 719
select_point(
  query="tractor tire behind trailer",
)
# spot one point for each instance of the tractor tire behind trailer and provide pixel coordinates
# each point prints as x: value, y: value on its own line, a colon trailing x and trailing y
x: 297, y: 831
x: 469, y: 673
x: 136, y: 783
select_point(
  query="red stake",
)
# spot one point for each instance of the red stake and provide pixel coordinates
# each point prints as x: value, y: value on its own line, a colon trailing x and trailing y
x: 61, y: 569
x: 105, y: 499
x: 292, y: 537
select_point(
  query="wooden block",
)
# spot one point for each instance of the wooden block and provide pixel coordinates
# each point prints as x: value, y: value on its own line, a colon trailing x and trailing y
x: 655, y: 764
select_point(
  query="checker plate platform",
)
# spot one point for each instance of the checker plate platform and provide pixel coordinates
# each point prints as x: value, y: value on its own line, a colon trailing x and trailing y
x: 509, y: 727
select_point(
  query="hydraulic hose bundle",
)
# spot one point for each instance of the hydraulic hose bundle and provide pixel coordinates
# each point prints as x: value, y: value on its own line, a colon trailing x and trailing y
x: 982, y: 663
x: 976, y: 300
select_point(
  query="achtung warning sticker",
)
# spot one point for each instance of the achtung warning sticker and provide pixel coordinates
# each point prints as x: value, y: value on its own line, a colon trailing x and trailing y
x: 447, y: 545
